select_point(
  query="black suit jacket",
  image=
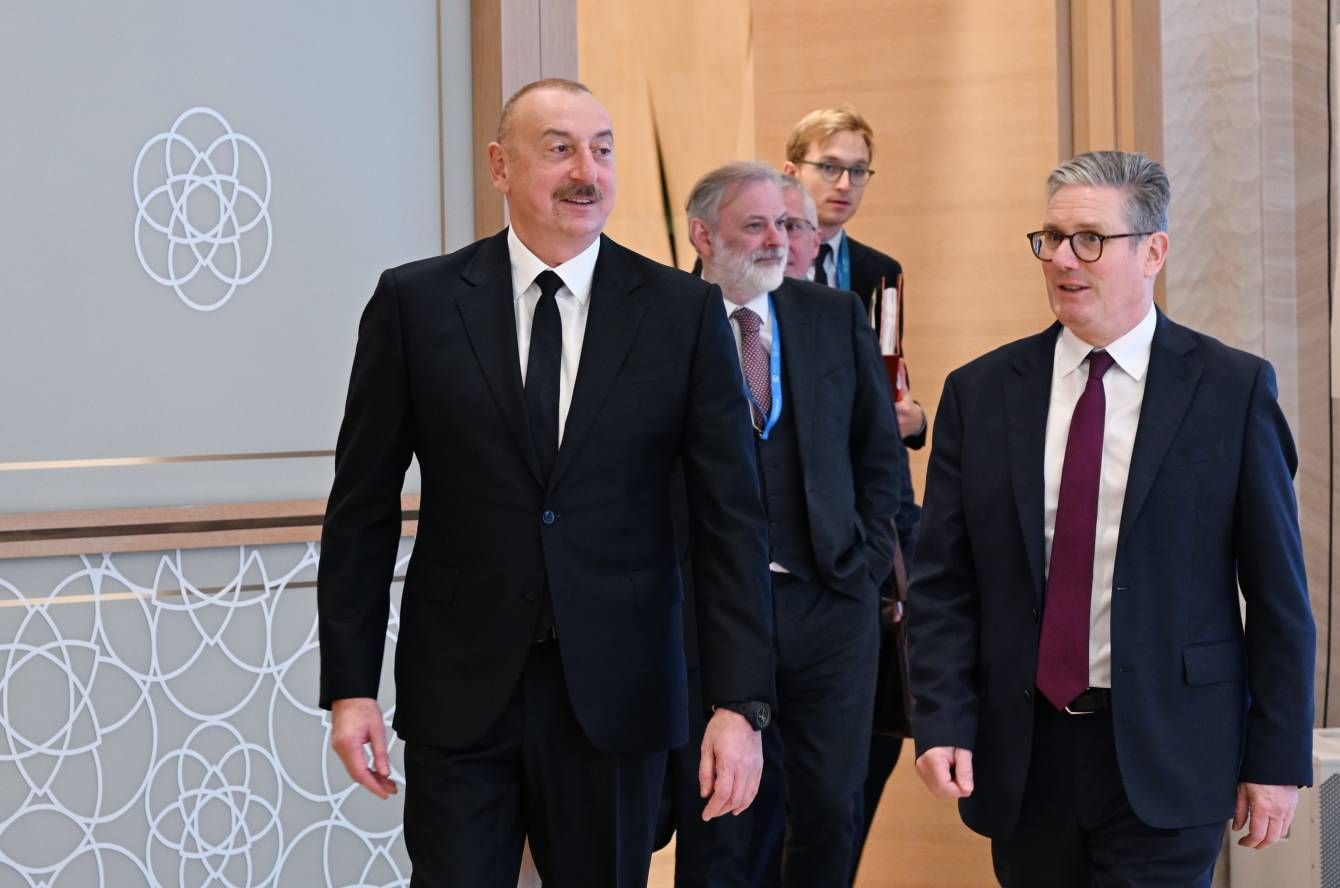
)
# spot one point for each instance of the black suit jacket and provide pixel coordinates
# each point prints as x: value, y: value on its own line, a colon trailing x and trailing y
x: 1198, y: 703
x: 436, y: 374
x: 851, y: 459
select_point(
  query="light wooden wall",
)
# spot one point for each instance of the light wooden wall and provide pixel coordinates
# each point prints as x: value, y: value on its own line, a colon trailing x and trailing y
x: 702, y: 83
x: 963, y: 98
x: 678, y: 81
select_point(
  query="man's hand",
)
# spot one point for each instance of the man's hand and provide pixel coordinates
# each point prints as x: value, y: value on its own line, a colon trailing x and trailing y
x: 946, y: 771
x: 731, y: 764
x: 911, y: 416
x: 1269, y: 809
x: 356, y: 722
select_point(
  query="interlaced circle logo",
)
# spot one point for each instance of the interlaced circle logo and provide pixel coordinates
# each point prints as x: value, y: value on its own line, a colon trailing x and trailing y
x: 202, y: 209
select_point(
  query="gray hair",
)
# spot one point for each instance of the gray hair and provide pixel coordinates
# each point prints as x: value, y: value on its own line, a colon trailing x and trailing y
x: 711, y: 190
x: 1144, y: 182
x: 791, y: 183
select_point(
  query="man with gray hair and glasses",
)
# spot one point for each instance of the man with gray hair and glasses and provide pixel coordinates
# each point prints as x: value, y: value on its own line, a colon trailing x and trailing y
x: 1086, y: 685
x: 830, y: 467
x: 802, y: 228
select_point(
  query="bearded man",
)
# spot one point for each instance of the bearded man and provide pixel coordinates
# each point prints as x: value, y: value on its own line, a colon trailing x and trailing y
x: 830, y: 465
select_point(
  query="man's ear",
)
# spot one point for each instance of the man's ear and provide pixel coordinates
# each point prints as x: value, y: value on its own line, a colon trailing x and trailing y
x: 1155, y: 253
x: 498, y: 167
x: 700, y: 237
x: 789, y: 169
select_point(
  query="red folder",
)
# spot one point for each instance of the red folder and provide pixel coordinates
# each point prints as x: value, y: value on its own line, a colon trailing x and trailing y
x: 891, y: 344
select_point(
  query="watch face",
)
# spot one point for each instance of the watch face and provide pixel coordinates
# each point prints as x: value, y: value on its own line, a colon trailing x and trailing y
x: 762, y: 716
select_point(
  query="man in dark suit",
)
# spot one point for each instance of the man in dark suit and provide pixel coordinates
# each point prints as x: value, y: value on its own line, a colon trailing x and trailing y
x: 1097, y: 496
x: 829, y: 151
x: 830, y: 467
x: 549, y: 381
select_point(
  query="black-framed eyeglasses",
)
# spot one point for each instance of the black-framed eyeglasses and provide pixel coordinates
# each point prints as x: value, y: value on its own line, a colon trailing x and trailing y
x: 795, y: 225
x: 1086, y: 245
x: 832, y: 172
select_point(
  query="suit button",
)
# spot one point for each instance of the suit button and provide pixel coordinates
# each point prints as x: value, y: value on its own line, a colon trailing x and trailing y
x: 548, y: 517
x: 1035, y: 615
x: 1028, y: 696
x: 532, y: 593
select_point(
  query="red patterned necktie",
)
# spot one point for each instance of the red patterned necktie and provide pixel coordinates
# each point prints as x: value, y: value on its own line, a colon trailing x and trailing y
x: 754, y: 362
x: 1063, y: 649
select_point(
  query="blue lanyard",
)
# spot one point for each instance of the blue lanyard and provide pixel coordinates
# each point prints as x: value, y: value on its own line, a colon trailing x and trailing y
x: 843, y: 264
x: 774, y: 375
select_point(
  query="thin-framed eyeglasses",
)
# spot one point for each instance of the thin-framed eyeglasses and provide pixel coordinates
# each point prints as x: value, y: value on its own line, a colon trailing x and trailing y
x: 795, y: 225
x: 1086, y: 245
x: 832, y: 172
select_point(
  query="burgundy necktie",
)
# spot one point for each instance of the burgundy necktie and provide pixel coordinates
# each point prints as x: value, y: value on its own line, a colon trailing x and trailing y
x: 754, y: 362
x: 1063, y: 650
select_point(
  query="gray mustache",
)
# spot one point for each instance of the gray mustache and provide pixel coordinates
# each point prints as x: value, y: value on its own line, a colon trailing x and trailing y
x: 580, y: 192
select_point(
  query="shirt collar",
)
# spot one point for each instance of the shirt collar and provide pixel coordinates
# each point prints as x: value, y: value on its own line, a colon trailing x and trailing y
x: 1130, y: 351
x: 758, y: 305
x: 576, y: 274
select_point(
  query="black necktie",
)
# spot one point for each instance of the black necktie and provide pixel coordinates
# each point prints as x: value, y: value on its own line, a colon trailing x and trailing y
x: 542, y: 366
x: 820, y: 275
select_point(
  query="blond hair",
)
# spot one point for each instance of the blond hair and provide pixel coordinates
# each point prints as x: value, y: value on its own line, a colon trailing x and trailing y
x: 823, y: 124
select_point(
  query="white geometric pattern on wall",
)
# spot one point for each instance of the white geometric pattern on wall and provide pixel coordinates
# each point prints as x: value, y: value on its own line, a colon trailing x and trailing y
x: 159, y: 730
x: 203, y: 193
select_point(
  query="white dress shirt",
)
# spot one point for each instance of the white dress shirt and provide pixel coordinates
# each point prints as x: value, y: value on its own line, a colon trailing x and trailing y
x: 1124, y: 391
x: 573, y: 298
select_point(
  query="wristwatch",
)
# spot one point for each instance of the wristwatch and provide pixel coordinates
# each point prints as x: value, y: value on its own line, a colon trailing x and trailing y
x: 759, y: 715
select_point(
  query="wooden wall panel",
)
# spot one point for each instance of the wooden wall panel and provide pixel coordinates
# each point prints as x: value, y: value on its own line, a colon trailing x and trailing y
x: 963, y: 100
x: 678, y: 81
x: 1115, y: 70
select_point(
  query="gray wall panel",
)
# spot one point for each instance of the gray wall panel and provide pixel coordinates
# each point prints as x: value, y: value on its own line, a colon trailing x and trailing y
x: 98, y: 359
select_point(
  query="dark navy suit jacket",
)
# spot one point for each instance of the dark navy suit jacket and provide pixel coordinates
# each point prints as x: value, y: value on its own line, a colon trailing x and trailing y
x: 1198, y: 703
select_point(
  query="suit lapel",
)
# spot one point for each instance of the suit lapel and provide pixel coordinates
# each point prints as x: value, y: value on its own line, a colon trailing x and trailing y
x: 795, y: 325
x: 1027, y: 398
x: 612, y: 318
x: 1171, y: 381
x: 490, y: 322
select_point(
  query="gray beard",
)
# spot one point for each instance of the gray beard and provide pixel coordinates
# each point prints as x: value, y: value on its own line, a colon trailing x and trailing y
x: 738, y: 272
